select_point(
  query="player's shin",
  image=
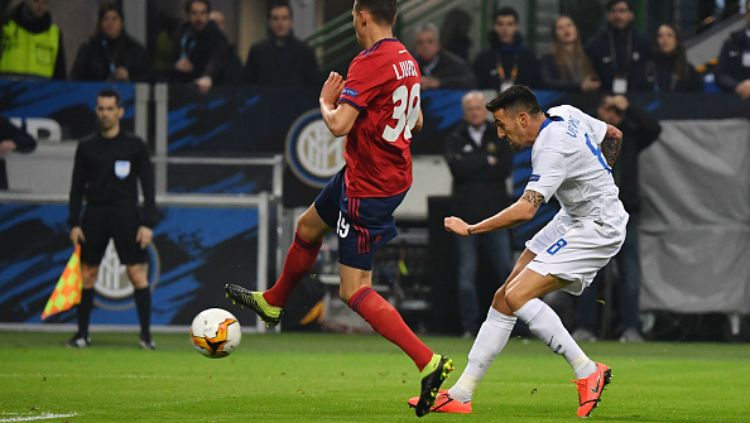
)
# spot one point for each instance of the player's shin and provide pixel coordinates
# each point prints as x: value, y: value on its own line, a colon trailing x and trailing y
x: 300, y: 259
x: 490, y: 341
x: 388, y: 322
x: 547, y: 326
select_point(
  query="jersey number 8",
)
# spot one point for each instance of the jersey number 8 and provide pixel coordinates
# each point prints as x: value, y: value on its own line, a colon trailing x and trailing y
x: 406, y: 111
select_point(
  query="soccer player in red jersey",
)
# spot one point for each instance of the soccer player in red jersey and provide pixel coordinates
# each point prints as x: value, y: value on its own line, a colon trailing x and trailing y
x: 377, y: 107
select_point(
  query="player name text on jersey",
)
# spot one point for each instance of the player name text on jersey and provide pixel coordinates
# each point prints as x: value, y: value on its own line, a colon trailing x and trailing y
x: 407, y: 69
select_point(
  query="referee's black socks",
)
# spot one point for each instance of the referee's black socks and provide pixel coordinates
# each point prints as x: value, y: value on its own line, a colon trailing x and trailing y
x: 84, y: 312
x: 143, y: 304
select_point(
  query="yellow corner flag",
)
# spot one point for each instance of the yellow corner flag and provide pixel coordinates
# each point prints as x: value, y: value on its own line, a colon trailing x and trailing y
x: 67, y: 293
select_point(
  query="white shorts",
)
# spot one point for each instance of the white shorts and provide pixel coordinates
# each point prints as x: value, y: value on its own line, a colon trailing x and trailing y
x: 575, y: 249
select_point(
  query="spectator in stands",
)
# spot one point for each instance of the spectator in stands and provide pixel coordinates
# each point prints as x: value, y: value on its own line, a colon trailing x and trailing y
x: 639, y: 131
x: 733, y: 70
x: 619, y: 53
x: 480, y: 164
x: 454, y: 35
x: 12, y: 139
x: 669, y: 69
x: 567, y: 67
x: 111, y: 54
x: 199, y: 53
x: 281, y: 59
x: 233, y: 71
x: 506, y: 61
x: 32, y: 46
x: 440, y: 68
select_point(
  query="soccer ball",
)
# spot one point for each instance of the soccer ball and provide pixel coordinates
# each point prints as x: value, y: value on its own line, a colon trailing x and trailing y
x: 215, y: 333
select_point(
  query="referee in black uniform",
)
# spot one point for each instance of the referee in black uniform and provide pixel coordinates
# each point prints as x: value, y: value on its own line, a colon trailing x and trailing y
x: 107, y: 167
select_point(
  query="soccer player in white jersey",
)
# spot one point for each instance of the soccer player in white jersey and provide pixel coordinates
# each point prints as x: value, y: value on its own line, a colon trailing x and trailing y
x: 572, y: 154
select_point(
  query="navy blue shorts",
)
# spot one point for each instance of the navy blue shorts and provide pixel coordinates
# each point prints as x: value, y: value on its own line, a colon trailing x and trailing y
x: 362, y: 224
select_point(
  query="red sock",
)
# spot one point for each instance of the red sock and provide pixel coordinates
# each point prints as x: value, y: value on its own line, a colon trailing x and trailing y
x: 299, y: 260
x: 387, y: 322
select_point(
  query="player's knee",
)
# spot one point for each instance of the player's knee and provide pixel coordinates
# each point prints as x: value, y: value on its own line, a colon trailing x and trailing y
x: 309, y: 227
x: 499, y: 303
x: 515, y: 299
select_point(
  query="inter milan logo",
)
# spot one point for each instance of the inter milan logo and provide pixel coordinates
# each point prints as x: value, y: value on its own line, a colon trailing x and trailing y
x: 313, y: 154
x: 112, y: 284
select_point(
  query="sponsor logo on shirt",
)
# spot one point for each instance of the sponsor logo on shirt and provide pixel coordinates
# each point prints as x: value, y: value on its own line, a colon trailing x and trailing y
x: 313, y: 153
x: 534, y: 177
x: 351, y: 92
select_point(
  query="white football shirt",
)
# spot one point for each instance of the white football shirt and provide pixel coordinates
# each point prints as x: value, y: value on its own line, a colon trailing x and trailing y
x: 567, y: 162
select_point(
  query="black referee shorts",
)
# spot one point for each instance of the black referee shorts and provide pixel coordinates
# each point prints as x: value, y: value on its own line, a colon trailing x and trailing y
x: 102, y: 223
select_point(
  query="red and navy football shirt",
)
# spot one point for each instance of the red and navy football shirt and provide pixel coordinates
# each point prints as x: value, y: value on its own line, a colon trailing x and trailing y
x: 383, y: 84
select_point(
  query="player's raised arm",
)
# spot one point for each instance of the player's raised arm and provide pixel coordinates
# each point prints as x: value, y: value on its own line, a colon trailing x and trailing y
x: 339, y: 118
x: 521, y: 211
x: 611, y: 145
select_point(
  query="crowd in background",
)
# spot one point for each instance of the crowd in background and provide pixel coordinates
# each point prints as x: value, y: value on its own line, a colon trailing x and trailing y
x: 197, y: 53
x: 615, y: 61
x: 618, y: 59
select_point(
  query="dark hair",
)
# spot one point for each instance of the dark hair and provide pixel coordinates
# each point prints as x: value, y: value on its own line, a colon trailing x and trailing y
x: 384, y: 11
x: 110, y: 93
x: 189, y: 4
x: 567, y: 62
x: 515, y: 97
x: 110, y: 7
x: 279, y: 3
x: 505, y: 11
x: 681, y: 67
x: 612, y: 3
x: 105, y: 8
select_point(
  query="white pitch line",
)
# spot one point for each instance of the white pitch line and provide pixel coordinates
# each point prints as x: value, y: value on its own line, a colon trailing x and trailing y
x: 47, y: 416
x: 91, y: 376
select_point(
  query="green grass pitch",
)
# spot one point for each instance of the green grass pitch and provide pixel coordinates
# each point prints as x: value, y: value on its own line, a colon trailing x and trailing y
x: 355, y: 378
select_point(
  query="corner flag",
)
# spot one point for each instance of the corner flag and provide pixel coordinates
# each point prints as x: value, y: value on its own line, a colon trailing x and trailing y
x: 67, y: 292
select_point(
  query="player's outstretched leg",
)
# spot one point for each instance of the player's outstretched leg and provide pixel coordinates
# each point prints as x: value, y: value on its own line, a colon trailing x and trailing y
x: 386, y: 321
x: 522, y: 297
x: 590, y: 389
x: 300, y: 259
x: 269, y: 314
x: 491, y: 340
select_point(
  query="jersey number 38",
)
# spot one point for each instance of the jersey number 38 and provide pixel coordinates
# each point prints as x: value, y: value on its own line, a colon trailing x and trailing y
x: 406, y: 107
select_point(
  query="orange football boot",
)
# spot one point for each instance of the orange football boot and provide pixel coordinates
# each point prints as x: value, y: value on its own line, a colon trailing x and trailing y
x: 445, y: 404
x: 590, y: 389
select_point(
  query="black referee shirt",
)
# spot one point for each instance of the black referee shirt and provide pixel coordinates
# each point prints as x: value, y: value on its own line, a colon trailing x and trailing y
x: 105, y: 172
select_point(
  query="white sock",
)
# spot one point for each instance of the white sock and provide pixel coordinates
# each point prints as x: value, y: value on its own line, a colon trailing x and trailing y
x: 491, y: 339
x: 546, y: 325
